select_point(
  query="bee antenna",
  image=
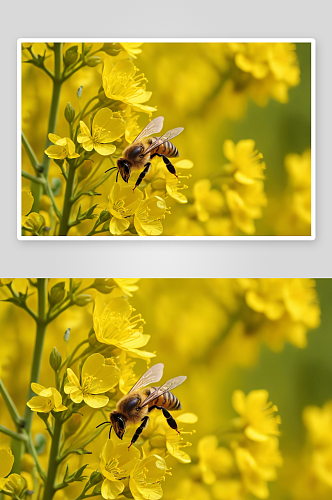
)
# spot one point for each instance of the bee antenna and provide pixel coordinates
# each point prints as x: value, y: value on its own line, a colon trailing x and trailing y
x: 103, y: 424
x: 117, y: 175
x: 109, y: 434
x: 112, y: 168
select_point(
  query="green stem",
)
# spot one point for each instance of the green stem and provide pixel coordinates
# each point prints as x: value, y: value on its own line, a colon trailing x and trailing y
x: 52, y: 463
x: 52, y: 118
x: 33, y: 178
x: 67, y: 203
x: 18, y: 421
x: 30, y: 153
x: 32, y: 450
x: 50, y: 194
x: 13, y: 434
x: 39, y: 343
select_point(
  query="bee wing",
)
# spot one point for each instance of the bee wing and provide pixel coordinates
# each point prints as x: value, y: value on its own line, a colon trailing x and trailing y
x: 168, y: 386
x: 151, y: 376
x: 166, y: 137
x: 153, y: 127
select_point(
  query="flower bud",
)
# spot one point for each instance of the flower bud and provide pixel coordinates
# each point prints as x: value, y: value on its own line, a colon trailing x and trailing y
x: 104, y: 285
x: 83, y: 299
x: 34, y: 221
x: 97, y: 489
x: 93, y: 61
x: 16, y: 485
x: 95, y: 478
x: 69, y: 113
x: 70, y: 56
x: 112, y: 49
x: 57, y: 293
x: 102, y: 95
x: 79, y: 92
x: 92, y: 339
x: 104, y: 216
x: 5, y: 281
x: 55, y: 359
x: 73, y: 424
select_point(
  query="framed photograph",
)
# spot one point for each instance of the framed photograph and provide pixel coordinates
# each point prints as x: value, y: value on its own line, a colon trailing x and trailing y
x: 166, y: 138
x: 191, y: 389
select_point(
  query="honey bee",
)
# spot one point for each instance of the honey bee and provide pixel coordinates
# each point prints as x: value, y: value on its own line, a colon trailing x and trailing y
x: 135, y: 407
x: 137, y: 155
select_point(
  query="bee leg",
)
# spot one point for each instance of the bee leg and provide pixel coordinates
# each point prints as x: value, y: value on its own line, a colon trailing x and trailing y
x: 139, y: 430
x: 169, y: 165
x: 170, y: 420
x: 142, y: 174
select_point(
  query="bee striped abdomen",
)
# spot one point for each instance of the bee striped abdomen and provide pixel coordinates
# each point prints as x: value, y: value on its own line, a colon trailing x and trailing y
x: 167, y: 149
x: 167, y: 400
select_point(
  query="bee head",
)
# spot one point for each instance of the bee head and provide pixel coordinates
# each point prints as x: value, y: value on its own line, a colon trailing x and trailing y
x: 118, y: 423
x: 124, y: 167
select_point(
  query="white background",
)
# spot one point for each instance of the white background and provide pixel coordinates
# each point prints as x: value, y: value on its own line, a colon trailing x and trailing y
x: 157, y: 18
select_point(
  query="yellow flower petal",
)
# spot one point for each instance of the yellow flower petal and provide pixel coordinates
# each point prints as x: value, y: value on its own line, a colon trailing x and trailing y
x: 104, y: 149
x: 118, y: 226
x: 27, y: 202
x: 96, y: 401
x: 111, y: 489
x: 85, y: 130
x: 6, y: 462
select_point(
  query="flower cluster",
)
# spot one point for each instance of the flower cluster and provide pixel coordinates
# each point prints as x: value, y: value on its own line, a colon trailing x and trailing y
x: 272, y: 310
x: 296, y: 215
x: 248, y: 460
x: 100, y: 130
x: 313, y: 477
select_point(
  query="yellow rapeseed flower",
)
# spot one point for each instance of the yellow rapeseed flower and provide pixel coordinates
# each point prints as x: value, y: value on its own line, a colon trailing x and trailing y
x: 115, y: 325
x: 208, y: 201
x: 105, y: 129
x: 33, y: 222
x: 214, y: 461
x: 245, y: 204
x: 318, y: 422
x: 14, y: 485
x: 127, y: 285
x: 123, y: 203
x: 275, y: 297
x: 257, y: 464
x: 63, y: 148
x: 132, y: 48
x: 47, y: 400
x: 163, y: 183
x: 245, y: 161
x: 268, y: 69
x: 146, y: 476
x: 98, y: 376
x: 164, y: 440
x: 257, y: 417
x: 147, y: 220
x: 116, y: 463
x: 6, y: 464
x: 121, y: 83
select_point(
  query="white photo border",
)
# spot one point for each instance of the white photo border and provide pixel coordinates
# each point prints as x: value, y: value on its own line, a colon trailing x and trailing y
x: 312, y: 41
